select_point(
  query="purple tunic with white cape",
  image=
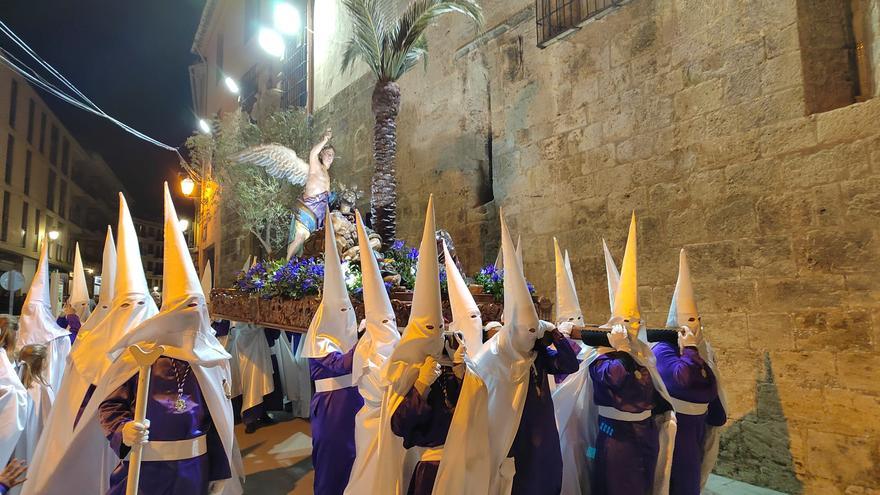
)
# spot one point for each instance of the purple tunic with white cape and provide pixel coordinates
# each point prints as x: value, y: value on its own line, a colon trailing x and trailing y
x: 535, y: 450
x: 424, y: 422
x: 688, y: 378
x: 626, y: 451
x: 332, y: 416
x: 190, y: 476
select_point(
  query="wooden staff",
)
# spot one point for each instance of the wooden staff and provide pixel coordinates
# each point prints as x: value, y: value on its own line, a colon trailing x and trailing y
x: 144, y: 360
x: 593, y: 335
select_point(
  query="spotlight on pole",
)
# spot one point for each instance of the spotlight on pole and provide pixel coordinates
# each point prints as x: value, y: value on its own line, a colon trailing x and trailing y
x: 183, y: 224
x: 286, y: 19
x: 53, y: 235
x: 231, y: 85
x: 271, y: 42
x: 187, y: 186
x: 204, y: 126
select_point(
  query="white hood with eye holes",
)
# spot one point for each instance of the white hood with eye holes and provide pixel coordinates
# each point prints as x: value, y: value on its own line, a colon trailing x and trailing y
x: 79, y: 292
x: 130, y: 306
x: 184, y: 325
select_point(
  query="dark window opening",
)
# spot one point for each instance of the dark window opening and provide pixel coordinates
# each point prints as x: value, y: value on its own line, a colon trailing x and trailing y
x: 24, y: 224
x: 50, y: 191
x: 28, y: 157
x: 4, y: 226
x: 219, y: 61
x: 556, y: 18
x: 65, y: 156
x: 53, y: 145
x: 10, y: 151
x: 30, y: 125
x: 62, y: 200
x: 37, y: 214
x: 13, y: 103
x: 43, y: 132
x: 249, y: 89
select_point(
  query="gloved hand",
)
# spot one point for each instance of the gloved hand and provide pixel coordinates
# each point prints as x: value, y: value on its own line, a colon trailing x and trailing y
x: 618, y: 339
x: 428, y: 374
x: 687, y: 338
x: 458, y: 366
x: 134, y: 433
x: 565, y: 328
x: 216, y: 487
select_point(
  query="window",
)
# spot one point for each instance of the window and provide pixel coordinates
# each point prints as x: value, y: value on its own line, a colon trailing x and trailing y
x: 150, y: 249
x: 219, y: 61
x: 556, y: 18
x: 30, y: 128
x: 50, y: 191
x: 62, y: 199
x: 249, y: 89
x: 149, y: 266
x: 43, y: 132
x: 37, y: 214
x: 295, y: 72
x: 251, y: 18
x: 65, y: 156
x: 24, y: 224
x: 10, y: 147
x: 53, y: 145
x: 27, y: 172
x: 13, y: 103
x: 4, y: 226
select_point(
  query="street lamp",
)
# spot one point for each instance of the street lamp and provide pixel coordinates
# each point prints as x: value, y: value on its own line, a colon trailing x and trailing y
x: 187, y: 186
x: 204, y: 126
x: 271, y: 42
x: 183, y: 224
x: 53, y: 235
x: 231, y: 85
x: 286, y: 19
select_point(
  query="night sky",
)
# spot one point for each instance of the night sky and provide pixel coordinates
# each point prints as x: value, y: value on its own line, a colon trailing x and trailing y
x: 131, y: 58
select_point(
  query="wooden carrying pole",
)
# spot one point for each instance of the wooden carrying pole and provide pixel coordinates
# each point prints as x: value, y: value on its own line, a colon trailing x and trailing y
x: 144, y: 360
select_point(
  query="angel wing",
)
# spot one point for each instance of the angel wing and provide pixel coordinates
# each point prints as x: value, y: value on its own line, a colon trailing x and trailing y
x: 280, y: 162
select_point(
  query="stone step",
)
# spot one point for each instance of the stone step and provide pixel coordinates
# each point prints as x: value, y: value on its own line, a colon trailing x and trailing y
x: 719, y: 485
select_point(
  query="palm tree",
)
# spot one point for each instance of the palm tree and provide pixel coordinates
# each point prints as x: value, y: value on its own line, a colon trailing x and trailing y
x: 390, y: 45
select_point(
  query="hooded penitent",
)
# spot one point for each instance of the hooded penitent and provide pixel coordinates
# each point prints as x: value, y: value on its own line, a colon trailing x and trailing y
x: 567, y: 306
x: 373, y: 349
x: 683, y: 311
x: 334, y: 326
x: 207, y: 282
x: 108, y: 286
x: 38, y: 326
x: 79, y: 292
x: 611, y: 273
x: 466, y: 316
x: 131, y: 304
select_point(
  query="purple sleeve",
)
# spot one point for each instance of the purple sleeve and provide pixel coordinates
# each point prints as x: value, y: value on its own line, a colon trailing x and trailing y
x: 219, y: 463
x: 561, y: 361
x: 3, y: 489
x: 608, y: 371
x: 716, y: 416
x: 62, y: 321
x: 73, y: 323
x: 410, y: 416
x: 333, y: 364
x: 116, y: 410
x: 683, y: 371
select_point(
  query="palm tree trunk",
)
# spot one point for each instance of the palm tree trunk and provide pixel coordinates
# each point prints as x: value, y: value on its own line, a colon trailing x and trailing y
x: 383, y: 203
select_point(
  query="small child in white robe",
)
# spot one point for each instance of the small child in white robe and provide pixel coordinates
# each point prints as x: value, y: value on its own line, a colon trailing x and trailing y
x: 33, y: 362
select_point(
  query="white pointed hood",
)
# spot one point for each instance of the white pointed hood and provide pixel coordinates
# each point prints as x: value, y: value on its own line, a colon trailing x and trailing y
x: 519, y: 252
x: 683, y: 310
x: 567, y: 306
x: 79, y: 291
x: 132, y: 303
x: 36, y: 324
x: 626, y: 300
x: 183, y: 325
x: 521, y: 324
x: 381, y: 335
x: 466, y: 316
x: 334, y: 326
x: 612, y: 274
x: 108, y: 284
x: 207, y: 281
x: 424, y: 331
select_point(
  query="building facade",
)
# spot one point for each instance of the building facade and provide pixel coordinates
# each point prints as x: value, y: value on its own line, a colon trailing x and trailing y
x: 745, y: 132
x: 50, y: 183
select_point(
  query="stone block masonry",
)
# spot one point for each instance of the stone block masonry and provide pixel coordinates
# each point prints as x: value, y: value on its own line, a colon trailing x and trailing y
x: 698, y: 116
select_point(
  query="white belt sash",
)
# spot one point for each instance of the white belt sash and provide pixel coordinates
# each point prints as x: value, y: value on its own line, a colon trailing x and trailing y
x: 432, y: 454
x: 614, y: 413
x: 335, y: 383
x: 689, y: 408
x: 175, y: 450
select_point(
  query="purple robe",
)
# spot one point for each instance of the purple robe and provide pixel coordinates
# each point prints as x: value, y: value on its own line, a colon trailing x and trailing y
x: 577, y: 349
x: 424, y: 422
x: 221, y: 328
x: 536, y: 452
x: 70, y: 322
x: 3, y: 489
x: 332, y: 417
x: 190, y: 476
x: 626, y: 451
x: 689, y: 378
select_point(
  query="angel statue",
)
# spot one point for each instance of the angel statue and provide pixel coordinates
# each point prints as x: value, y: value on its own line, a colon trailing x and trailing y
x: 282, y: 163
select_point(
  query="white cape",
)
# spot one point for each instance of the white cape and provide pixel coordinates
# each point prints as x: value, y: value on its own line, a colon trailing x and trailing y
x: 13, y: 408
x: 40, y: 399
x: 253, y: 363
x: 577, y: 422
x: 57, y: 351
x: 77, y: 471
x: 294, y: 373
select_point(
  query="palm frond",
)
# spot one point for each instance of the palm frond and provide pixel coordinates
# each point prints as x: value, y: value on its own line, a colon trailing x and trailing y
x: 369, y: 19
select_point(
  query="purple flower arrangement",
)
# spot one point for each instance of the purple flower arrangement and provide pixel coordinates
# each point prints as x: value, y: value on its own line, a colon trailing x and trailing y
x: 492, y: 281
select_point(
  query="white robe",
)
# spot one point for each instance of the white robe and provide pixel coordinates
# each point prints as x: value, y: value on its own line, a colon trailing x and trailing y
x: 13, y: 408
x: 253, y: 360
x: 295, y: 380
x: 39, y: 404
x: 57, y: 351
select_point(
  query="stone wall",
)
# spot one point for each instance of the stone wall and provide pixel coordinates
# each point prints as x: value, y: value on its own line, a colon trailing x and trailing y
x: 694, y: 114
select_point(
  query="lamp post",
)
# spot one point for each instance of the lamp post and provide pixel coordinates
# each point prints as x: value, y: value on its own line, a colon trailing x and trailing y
x: 187, y: 186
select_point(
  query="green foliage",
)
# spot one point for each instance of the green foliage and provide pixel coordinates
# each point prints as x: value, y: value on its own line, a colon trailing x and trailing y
x: 262, y: 203
x: 392, y: 44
